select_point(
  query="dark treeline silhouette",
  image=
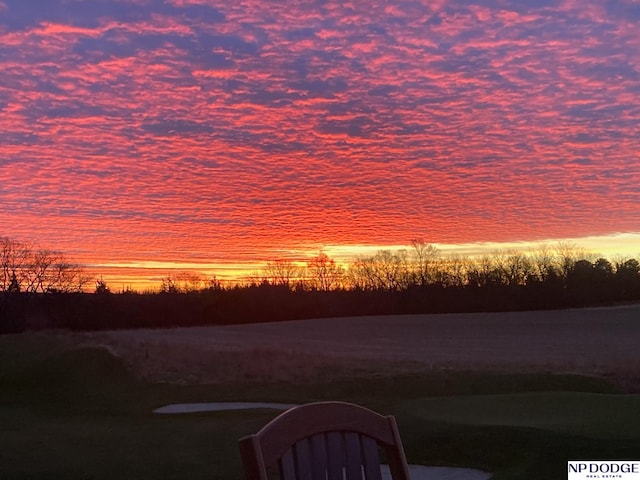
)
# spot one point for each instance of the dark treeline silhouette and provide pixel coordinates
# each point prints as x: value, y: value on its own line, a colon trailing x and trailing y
x: 418, y: 280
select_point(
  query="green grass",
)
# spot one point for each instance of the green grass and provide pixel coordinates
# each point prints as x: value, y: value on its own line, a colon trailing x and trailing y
x: 524, y: 435
x: 78, y: 414
x: 591, y: 415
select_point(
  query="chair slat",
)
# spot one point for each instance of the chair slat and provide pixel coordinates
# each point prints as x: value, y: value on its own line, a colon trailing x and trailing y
x: 287, y: 466
x: 302, y: 455
x: 319, y: 457
x: 371, y: 458
x: 353, y: 456
x: 335, y: 452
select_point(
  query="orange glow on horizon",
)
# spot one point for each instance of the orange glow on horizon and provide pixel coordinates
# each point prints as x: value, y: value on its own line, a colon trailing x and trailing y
x: 147, y: 275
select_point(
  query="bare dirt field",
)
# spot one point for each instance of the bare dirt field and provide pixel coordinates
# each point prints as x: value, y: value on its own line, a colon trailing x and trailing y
x: 593, y: 341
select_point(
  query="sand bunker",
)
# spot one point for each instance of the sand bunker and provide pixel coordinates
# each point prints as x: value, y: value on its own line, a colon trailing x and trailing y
x: 219, y: 407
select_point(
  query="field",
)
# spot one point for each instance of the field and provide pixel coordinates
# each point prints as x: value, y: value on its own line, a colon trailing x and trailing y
x: 516, y: 394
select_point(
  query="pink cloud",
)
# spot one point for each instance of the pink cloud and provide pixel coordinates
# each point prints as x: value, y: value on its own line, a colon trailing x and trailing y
x: 169, y: 135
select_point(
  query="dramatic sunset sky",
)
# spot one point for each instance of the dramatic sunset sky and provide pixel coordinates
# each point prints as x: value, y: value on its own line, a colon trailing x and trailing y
x: 138, y: 136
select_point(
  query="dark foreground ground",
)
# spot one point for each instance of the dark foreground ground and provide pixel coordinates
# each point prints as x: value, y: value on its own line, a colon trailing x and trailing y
x: 516, y: 394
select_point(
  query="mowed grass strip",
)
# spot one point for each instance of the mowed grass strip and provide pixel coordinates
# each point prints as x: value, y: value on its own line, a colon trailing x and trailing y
x: 593, y: 415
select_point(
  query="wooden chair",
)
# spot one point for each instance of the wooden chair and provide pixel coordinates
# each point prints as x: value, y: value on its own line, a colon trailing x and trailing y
x: 325, y: 441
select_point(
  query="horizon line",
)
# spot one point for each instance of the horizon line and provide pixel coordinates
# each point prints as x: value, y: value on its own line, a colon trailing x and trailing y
x: 148, y: 274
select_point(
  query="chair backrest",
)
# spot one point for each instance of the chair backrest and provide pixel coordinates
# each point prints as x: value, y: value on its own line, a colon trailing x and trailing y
x: 325, y: 441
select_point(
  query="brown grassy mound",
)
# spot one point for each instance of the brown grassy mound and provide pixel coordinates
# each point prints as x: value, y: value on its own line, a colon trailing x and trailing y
x: 600, y: 341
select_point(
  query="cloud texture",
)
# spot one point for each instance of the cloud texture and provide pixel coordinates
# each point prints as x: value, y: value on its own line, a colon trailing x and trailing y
x: 191, y: 130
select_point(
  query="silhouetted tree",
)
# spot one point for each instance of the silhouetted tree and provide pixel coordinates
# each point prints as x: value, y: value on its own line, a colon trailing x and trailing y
x: 282, y: 272
x: 582, y: 283
x: 544, y: 264
x: 425, y: 256
x: 14, y: 286
x: 451, y: 271
x: 567, y: 254
x: 215, y: 284
x: 485, y: 271
x: 323, y: 273
x: 517, y: 268
x: 385, y: 270
x: 101, y: 287
x: 168, y: 285
x: 627, y: 278
x: 38, y: 271
x: 14, y: 258
x: 182, y: 282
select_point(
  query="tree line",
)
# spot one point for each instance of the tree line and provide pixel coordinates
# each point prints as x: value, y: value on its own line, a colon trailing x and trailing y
x: 423, y: 265
x: 40, y: 289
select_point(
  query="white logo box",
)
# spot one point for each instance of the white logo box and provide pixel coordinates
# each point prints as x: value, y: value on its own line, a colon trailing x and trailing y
x: 603, y: 469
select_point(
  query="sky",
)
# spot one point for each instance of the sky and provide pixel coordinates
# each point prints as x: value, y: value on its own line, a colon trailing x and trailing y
x: 146, y: 136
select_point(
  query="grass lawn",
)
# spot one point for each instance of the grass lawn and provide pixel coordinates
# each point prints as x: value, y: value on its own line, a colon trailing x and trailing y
x: 72, y: 412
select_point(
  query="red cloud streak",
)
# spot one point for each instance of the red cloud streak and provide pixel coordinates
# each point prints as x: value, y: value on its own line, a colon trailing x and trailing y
x: 194, y: 131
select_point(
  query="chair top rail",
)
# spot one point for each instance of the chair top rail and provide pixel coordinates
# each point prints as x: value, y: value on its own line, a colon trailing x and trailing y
x: 307, y: 420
